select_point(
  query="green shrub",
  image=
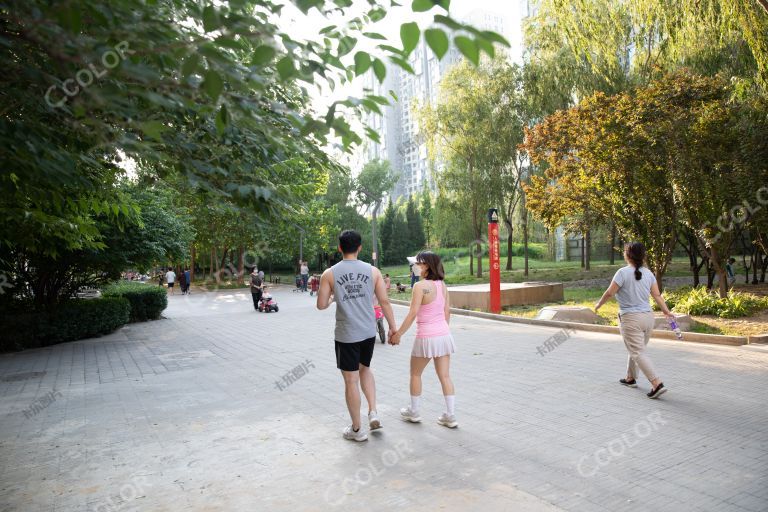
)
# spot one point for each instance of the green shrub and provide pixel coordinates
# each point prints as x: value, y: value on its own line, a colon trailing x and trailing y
x: 72, y: 320
x: 699, y: 301
x: 147, y: 301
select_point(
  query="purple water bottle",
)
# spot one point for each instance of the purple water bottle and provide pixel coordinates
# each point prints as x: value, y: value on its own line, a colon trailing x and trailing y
x: 673, y: 326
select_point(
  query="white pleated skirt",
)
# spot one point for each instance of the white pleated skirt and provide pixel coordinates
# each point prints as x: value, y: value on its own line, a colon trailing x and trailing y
x: 436, y: 346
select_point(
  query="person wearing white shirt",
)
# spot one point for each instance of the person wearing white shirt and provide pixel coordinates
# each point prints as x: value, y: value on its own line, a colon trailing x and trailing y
x: 170, y: 278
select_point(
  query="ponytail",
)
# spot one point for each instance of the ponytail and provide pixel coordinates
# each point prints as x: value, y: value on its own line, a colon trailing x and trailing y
x: 635, y: 252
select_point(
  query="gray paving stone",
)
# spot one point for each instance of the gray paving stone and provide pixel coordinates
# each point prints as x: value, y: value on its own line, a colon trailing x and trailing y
x: 184, y: 414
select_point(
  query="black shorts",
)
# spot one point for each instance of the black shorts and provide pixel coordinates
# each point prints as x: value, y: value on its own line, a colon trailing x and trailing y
x: 170, y: 285
x: 349, y: 356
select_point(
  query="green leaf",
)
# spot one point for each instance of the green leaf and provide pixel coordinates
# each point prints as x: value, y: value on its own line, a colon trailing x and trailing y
x: 222, y: 120
x: 210, y: 19
x: 362, y: 63
x: 346, y: 45
x: 448, y: 22
x: 374, y: 35
x: 494, y: 37
x: 468, y: 48
x: 409, y: 35
x: 422, y: 5
x: 153, y: 129
x: 285, y: 68
x: 213, y: 84
x: 262, y: 55
x: 379, y: 69
x: 437, y: 41
x: 190, y: 65
x: 486, y: 46
x: 402, y: 63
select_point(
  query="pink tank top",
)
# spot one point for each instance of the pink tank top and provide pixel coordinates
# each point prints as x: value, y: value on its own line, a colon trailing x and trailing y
x: 430, y: 321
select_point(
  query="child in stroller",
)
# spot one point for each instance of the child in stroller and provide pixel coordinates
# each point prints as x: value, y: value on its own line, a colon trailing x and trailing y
x: 267, y: 303
x: 314, y: 284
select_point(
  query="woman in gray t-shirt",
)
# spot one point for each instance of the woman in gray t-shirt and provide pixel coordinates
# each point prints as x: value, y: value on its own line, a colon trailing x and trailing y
x: 633, y: 285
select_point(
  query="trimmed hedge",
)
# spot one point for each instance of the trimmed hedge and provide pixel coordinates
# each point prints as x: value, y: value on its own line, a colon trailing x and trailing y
x: 147, y: 301
x: 72, y: 320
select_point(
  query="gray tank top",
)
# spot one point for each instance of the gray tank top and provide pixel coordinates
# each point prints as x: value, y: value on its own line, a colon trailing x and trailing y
x: 353, y: 293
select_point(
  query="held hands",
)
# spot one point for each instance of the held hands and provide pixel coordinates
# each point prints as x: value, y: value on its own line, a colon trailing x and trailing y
x: 394, y: 337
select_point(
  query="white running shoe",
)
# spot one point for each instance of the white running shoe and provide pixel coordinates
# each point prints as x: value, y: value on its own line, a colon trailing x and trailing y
x: 373, y: 421
x: 448, y: 420
x: 351, y: 435
x: 408, y: 415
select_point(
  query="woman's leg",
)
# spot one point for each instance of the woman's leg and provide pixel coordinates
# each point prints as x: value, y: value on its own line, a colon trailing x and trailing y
x: 417, y: 368
x: 636, y: 331
x: 442, y: 368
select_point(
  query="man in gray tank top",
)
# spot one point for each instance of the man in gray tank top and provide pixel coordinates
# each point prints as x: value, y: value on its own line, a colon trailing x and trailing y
x: 352, y: 285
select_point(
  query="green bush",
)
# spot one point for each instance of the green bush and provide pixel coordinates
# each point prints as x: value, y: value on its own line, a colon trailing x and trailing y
x: 72, y: 320
x: 699, y: 301
x: 147, y: 301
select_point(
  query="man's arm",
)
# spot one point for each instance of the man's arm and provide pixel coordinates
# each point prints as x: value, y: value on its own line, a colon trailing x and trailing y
x: 380, y: 289
x: 325, y: 292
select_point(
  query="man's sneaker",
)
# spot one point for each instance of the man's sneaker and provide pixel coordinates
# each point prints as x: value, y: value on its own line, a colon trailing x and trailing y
x: 629, y: 383
x: 350, y: 434
x: 373, y: 420
x: 408, y: 415
x: 448, y: 420
x: 656, y: 393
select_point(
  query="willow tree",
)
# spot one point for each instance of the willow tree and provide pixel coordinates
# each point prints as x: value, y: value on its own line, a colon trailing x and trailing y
x: 476, y: 126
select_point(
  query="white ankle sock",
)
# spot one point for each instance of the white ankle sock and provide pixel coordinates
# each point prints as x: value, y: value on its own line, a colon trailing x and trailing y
x: 450, y: 402
x: 415, y: 403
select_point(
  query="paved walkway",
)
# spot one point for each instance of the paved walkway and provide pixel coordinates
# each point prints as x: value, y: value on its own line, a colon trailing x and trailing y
x: 185, y: 413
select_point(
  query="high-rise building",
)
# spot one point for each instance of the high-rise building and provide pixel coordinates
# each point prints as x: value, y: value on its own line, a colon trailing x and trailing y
x: 401, y: 140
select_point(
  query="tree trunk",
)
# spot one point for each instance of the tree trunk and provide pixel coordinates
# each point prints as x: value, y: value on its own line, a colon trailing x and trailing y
x: 525, y: 243
x: 613, y: 243
x: 214, y: 259
x: 582, y: 249
x: 508, y: 222
x: 587, y: 249
x: 757, y: 264
x: 710, y: 276
x: 479, y: 260
x: 471, y: 260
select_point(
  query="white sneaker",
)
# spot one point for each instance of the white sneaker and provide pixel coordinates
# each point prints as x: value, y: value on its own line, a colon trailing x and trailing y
x: 373, y: 421
x: 448, y: 420
x: 351, y: 435
x: 408, y: 415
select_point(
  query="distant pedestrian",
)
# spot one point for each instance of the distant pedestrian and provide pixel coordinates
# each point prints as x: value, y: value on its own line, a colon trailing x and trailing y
x: 387, y: 281
x: 414, y: 277
x: 731, y: 276
x: 304, y: 275
x: 188, y: 279
x: 170, y: 278
x: 257, y: 287
x: 632, y: 286
x: 183, y: 283
x: 430, y: 308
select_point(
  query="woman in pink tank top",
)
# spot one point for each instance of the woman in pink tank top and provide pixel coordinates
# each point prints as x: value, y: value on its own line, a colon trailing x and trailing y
x: 430, y: 308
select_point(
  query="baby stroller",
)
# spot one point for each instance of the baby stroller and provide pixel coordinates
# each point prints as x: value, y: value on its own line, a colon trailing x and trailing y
x: 380, y: 323
x: 299, y: 283
x: 314, y: 285
x: 267, y: 303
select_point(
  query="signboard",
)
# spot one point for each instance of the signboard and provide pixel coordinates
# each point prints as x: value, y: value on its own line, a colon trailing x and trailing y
x: 494, y: 259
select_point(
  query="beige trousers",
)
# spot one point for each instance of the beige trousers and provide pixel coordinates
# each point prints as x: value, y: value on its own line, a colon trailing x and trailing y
x: 636, y: 330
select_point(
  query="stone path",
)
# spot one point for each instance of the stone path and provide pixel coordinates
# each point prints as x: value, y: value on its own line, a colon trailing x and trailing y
x: 185, y: 413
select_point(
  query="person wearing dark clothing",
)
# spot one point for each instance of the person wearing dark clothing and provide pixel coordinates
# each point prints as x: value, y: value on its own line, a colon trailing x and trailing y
x: 183, y: 283
x: 414, y: 277
x: 256, y: 288
x: 188, y: 279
